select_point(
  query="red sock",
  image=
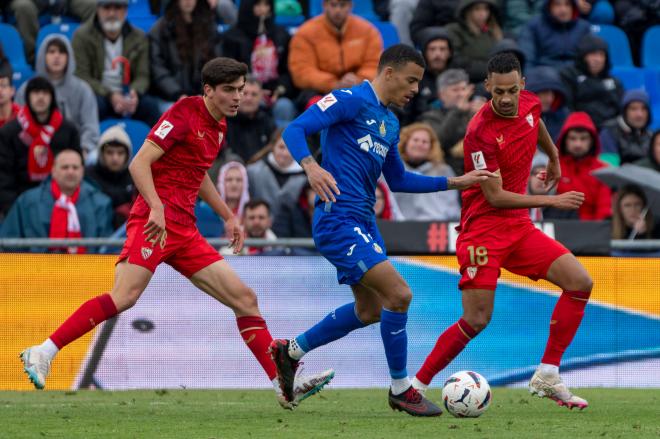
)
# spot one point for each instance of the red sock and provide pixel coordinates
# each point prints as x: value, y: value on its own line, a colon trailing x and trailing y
x: 449, y: 344
x: 564, y: 323
x: 84, y: 319
x: 256, y: 336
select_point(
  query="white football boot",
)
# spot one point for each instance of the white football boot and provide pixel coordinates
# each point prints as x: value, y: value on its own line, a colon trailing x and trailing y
x: 36, y: 365
x: 551, y: 386
x: 304, y: 386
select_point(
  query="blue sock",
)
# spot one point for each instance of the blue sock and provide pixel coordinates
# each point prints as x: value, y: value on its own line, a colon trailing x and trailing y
x: 395, y: 341
x: 333, y: 327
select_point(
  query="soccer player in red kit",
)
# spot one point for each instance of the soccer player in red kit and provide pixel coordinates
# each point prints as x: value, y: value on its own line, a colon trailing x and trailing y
x: 496, y: 231
x: 170, y: 171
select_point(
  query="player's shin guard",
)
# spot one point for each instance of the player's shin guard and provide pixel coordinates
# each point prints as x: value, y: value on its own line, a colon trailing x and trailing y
x: 84, y: 319
x: 448, y: 346
x: 564, y: 323
x: 334, y: 326
x: 395, y: 341
x: 255, y: 333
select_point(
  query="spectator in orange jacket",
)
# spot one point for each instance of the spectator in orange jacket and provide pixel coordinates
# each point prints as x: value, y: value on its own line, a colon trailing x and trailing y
x: 334, y: 50
x: 579, y: 146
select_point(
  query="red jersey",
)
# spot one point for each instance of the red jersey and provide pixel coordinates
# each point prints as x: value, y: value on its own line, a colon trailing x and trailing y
x: 191, y: 139
x: 495, y: 142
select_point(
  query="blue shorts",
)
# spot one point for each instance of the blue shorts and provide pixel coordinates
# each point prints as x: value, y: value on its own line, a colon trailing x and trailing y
x: 352, y: 246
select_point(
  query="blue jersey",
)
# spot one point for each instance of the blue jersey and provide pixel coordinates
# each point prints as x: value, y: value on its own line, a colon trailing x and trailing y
x: 359, y: 140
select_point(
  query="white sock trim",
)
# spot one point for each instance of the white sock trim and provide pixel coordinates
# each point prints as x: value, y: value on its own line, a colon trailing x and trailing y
x: 400, y: 385
x: 548, y: 369
x: 49, y: 348
x: 417, y: 384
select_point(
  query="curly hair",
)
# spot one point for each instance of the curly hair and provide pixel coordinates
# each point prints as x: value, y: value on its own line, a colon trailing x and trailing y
x: 436, y: 156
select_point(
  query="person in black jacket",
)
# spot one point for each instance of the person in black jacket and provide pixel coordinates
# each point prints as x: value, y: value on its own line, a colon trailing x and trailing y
x: 591, y: 87
x: 180, y: 43
x: 264, y: 46
x: 431, y: 13
x: 29, y: 143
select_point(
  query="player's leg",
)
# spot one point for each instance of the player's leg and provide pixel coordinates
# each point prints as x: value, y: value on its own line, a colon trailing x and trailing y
x: 477, y: 311
x: 130, y: 282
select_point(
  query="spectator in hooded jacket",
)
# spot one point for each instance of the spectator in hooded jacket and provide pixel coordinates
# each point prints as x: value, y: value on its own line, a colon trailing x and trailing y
x: 591, y: 87
x: 75, y: 98
x: 546, y: 83
x: 29, y: 143
x: 334, y: 50
x: 473, y: 35
x: 551, y: 38
x: 111, y: 174
x: 652, y: 161
x: 579, y: 147
x: 627, y: 138
x: 431, y: 13
x: 180, y: 43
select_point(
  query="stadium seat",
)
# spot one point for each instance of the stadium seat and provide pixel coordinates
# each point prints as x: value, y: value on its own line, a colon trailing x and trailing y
x: 145, y: 23
x: 20, y: 76
x: 602, y: 13
x: 652, y: 76
x: 138, y: 9
x: 655, y: 112
x: 363, y: 8
x: 631, y: 77
x: 208, y: 223
x: 288, y: 21
x: 651, y: 47
x: 66, y: 29
x: 387, y: 32
x: 619, y: 46
x: 136, y: 130
x: 12, y: 45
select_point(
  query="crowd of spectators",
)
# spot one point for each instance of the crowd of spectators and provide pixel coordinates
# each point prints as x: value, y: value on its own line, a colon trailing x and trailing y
x: 56, y: 162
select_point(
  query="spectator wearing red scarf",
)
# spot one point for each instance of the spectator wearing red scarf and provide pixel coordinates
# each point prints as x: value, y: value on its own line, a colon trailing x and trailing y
x: 62, y: 206
x: 29, y: 142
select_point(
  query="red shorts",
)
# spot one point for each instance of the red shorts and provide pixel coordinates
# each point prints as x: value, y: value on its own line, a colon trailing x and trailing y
x: 184, y: 248
x: 491, y: 243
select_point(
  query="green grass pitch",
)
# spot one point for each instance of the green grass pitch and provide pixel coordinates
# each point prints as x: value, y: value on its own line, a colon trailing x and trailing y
x: 614, y: 413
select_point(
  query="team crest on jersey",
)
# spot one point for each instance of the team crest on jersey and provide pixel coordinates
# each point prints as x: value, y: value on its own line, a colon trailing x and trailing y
x: 383, y: 130
x: 146, y: 253
x: 326, y: 101
x: 478, y: 160
x: 530, y: 120
x: 164, y: 129
x: 378, y: 248
x: 472, y: 272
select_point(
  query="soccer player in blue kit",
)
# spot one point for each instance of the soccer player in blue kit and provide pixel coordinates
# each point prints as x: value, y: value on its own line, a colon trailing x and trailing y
x: 359, y: 141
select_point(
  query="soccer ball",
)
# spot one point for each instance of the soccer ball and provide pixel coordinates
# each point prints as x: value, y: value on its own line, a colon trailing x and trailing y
x: 466, y: 394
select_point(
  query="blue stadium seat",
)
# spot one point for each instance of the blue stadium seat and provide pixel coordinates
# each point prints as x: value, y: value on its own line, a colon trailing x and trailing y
x: 288, y: 21
x: 602, y: 12
x: 652, y: 75
x: 208, y: 223
x: 144, y: 23
x: 655, y: 123
x: 136, y: 130
x: 651, y: 47
x: 619, y: 46
x: 363, y: 8
x: 631, y: 77
x: 388, y: 33
x: 138, y: 9
x: 20, y: 76
x: 12, y: 45
x: 66, y: 29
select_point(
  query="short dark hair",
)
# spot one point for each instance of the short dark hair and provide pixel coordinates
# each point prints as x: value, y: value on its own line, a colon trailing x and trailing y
x: 222, y: 70
x: 504, y: 62
x: 71, y: 149
x: 399, y: 55
x: 253, y: 204
x: 6, y: 71
x: 57, y: 42
x: 251, y: 79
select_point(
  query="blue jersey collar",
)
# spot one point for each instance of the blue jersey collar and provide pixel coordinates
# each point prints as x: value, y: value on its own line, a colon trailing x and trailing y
x: 373, y: 90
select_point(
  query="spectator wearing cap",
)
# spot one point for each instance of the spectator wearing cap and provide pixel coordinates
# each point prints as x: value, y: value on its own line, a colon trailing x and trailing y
x: 75, y: 98
x: 334, y: 50
x: 112, y: 56
x: 473, y: 35
x: 551, y: 38
x: 111, y: 174
x: 62, y: 206
x: 548, y: 86
x: 29, y: 143
x: 8, y: 108
x: 452, y: 114
x: 591, y: 87
x: 431, y: 13
x: 627, y: 138
x: 437, y: 51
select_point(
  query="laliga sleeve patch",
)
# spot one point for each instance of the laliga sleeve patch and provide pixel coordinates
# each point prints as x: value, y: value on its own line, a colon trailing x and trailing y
x: 164, y: 129
x: 327, y: 101
x: 478, y: 160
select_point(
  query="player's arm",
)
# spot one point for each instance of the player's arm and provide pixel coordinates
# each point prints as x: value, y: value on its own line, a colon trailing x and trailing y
x: 140, y: 170
x: 210, y: 195
x: 400, y: 180
x: 500, y: 198
x: 553, y: 169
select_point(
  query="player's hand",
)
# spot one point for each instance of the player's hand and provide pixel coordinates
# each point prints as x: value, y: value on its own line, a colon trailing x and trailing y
x: 552, y: 175
x: 235, y: 234
x: 155, y: 227
x: 568, y: 200
x: 321, y: 181
x: 469, y: 179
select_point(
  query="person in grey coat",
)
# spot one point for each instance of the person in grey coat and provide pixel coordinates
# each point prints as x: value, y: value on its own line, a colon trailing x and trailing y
x: 75, y: 98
